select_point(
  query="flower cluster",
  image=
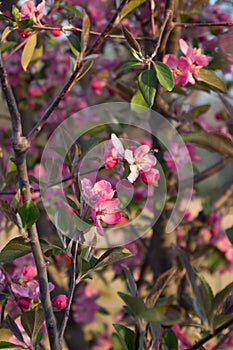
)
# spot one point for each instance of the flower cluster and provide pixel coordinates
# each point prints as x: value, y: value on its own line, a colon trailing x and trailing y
x: 186, y: 69
x: 104, y: 208
x: 29, y: 10
x: 139, y: 159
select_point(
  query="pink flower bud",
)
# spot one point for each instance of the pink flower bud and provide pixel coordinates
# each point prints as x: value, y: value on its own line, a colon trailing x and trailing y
x: 60, y: 301
x: 28, y: 272
x: 24, y: 303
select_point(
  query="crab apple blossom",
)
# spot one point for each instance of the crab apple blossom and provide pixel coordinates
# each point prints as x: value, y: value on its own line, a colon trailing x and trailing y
x: 100, y: 191
x: 106, y: 211
x: 29, y: 10
x: 180, y: 69
x: 141, y: 163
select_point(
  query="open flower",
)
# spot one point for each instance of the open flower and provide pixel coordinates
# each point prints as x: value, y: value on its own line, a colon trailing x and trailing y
x: 106, y: 211
x: 103, y: 206
x: 180, y: 68
x: 29, y: 10
x: 141, y: 163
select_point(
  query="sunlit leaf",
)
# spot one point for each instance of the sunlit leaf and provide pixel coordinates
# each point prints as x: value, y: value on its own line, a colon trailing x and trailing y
x: 138, y: 104
x: 134, y: 45
x: 130, y: 7
x: 85, y: 33
x: 15, y: 13
x: 214, y: 82
x: 28, y: 51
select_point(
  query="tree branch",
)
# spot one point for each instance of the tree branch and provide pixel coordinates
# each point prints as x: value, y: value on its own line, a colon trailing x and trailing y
x: 20, y: 146
x: 216, y: 331
x: 115, y: 19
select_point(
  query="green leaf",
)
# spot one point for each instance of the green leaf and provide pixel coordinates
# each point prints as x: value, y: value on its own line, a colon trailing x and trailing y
x: 111, y: 256
x: 28, y: 51
x: 134, y: 45
x: 126, y: 336
x: 138, y: 104
x: 164, y: 75
x: 136, y: 304
x: 74, y: 44
x: 169, y: 338
x: 5, y: 33
x: 11, y: 324
x: 85, y: 33
x: 16, y: 248
x: 8, y: 345
x: 32, y: 321
x: 199, y: 110
x: 211, y: 79
x: 130, y: 7
x: 229, y: 233
x: 116, y: 342
x: 192, y: 276
x: 29, y: 214
x: 7, y: 46
x: 72, y: 9
x: 26, y: 23
x: 220, y: 296
x: 15, y: 13
x: 212, y: 141
x: 129, y: 64
x: 146, y: 83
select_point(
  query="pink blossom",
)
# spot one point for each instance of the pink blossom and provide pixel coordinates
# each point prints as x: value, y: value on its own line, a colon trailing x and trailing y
x: 141, y: 163
x: 29, y: 10
x: 100, y: 191
x: 28, y: 289
x: 106, y: 211
x: 194, y: 55
x: 102, y: 342
x: 179, y: 156
x: 180, y: 68
x: 60, y: 301
x: 28, y: 272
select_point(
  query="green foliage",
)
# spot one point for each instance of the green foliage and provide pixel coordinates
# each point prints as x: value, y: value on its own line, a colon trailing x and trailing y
x: 130, y: 7
x: 32, y: 321
x: 75, y: 45
x: 169, y: 339
x: 15, y: 13
x: 146, y: 84
x: 29, y: 214
x: 212, y: 141
x: 8, y: 345
x: 138, y: 103
x: 129, y: 64
x: 126, y: 336
x: 16, y: 248
x: 164, y: 75
x: 212, y: 80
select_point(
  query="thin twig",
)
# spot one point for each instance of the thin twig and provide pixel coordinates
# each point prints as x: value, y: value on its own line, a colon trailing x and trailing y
x: 213, y: 169
x: 35, y: 131
x: 216, y: 331
x: 71, y: 294
x: 201, y: 24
